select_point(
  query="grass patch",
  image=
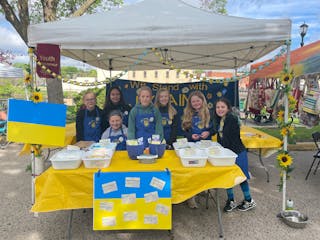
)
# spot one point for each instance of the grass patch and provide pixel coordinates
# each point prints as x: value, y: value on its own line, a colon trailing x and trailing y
x: 303, y: 134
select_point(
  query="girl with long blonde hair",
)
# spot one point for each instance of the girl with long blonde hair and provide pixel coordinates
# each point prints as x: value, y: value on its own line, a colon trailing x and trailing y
x: 169, y: 116
x: 196, y: 122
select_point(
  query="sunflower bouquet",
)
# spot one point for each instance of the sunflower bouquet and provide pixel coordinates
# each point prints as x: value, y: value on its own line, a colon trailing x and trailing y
x: 284, y: 160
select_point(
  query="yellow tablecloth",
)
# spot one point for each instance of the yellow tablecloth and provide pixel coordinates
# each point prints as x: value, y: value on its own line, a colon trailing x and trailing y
x: 73, y: 189
x: 255, y: 139
x: 70, y: 138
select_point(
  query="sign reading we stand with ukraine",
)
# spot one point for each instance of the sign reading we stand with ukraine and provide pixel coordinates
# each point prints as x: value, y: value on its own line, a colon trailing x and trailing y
x: 132, y: 200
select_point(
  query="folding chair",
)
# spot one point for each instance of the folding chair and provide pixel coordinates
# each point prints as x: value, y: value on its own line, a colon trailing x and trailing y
x: 316, y: 138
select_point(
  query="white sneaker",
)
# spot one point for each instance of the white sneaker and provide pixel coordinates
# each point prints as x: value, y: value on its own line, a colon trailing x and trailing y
x: 192, y: 203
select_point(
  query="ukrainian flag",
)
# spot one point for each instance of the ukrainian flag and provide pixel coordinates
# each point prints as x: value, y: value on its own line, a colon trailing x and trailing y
x: 36, y: 123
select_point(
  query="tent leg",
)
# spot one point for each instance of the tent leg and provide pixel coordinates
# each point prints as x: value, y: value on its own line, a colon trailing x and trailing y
x: 265, y: 168
x: 219, y: 215
x: 70, y: 225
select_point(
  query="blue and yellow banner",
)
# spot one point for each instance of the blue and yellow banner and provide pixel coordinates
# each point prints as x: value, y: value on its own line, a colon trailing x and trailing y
x: 179, y: 92
x: 36, y: 123
x: 132, y: 200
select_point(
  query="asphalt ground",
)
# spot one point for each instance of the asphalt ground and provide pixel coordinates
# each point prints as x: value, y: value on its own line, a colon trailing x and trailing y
x: 18, y: 223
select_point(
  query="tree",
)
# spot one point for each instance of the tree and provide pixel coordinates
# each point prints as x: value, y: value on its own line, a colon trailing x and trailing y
x: 21, y: 13
x: 6, y: 57
x: 217, y: 6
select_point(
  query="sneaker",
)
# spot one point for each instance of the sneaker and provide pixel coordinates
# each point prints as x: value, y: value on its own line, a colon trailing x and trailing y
x: 192, y: 203
x: 246, y: 205
x: 230, y: 205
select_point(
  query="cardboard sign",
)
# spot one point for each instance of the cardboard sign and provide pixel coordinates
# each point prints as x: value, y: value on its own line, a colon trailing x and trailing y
x: 132, y: 200
x: 36, y: 123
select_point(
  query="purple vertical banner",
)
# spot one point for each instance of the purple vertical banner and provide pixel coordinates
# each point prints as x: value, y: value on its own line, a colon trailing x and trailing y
x: 49, y: 56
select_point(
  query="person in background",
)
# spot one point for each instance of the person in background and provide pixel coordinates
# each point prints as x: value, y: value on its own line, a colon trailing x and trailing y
x: 115, y: 101
x: 89, y: 119
x: 144, y: 118
x: 169, y: 116
x: 227, y: 126
x: 196, y: 124
x: 117, y: 132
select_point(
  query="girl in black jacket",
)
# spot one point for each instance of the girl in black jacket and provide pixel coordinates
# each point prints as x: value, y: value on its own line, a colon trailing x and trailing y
x: 227, y: 126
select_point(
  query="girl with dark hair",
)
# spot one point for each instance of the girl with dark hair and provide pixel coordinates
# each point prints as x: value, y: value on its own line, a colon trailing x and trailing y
x: 115, y: 101
x: 227, y: 126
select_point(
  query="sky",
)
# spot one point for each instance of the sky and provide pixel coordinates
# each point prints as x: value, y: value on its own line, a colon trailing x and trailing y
x: 298, y: 11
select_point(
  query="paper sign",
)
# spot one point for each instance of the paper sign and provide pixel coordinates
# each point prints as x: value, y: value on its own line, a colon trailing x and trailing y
x: 162, y: 209
x: 151, y: 197
x: 130, y: 216
x: 128, y: 198
x: 108, y: 221
x: 150, y: 219
x: 157, y: 183
x: 132, y: 182
x: 109, y: 187
x: 107, y: 206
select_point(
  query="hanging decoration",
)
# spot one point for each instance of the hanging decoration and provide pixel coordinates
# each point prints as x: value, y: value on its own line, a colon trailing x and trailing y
x: 164, y: 57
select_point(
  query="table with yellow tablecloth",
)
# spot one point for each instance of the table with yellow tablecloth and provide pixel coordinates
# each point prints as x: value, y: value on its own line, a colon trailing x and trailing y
x: 265, y: 144
x: 73, y: 189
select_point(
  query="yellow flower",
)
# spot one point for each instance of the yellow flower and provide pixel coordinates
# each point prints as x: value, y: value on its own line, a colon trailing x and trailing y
x: 27, y: 79
x: 280, y: 117
x: 284, y: 159
x: 36, y: 97
x: 284, y: 131
x: 286, y: 79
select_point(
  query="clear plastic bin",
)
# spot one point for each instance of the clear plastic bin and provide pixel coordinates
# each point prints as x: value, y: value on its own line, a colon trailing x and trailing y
x: 192, y: 157
x: 100, y: 158
x: 67, y: 159
x: 224, y: 157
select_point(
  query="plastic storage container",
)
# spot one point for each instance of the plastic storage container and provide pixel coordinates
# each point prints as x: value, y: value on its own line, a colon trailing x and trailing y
x: 225, y: 157
x: 157, y: 149
x: 179, y: 146
x: 97, y: 158
x: 67, y: 159
x: 135, y: 150
x: 192, y: 157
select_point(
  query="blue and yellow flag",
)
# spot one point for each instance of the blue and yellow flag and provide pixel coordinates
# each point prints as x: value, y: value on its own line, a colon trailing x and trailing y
x: 36, y: 123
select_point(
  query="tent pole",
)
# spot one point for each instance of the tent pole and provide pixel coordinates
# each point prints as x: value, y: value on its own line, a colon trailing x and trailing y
x: 236, y: 85
x: 32, y: 152
x: 285, y: 139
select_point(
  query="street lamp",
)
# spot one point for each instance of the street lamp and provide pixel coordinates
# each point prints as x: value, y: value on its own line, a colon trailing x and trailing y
x: 303, y: 32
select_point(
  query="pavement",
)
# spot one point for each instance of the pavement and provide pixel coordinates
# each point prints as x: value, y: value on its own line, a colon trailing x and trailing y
x: 18, y: 223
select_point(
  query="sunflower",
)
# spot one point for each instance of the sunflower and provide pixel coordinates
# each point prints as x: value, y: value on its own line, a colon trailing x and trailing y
x: 28, y: 79
x: 280, y: 116
x: 36, y: 97
x: 284, y: 160
x: 284, y: 131
x: 286, y: 79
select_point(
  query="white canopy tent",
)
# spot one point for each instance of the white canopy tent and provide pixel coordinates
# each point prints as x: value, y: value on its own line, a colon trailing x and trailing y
x: 186, y: 36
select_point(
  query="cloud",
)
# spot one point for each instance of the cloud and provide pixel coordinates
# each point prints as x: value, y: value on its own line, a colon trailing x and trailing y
x: 10, y: 40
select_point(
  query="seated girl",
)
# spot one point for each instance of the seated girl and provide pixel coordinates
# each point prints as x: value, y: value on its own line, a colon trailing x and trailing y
x: 117, y: 132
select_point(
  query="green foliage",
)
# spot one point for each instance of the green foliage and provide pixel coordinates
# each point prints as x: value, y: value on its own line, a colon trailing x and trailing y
x: 216, y: 6
x: 66, y: 8
x: 70, y: 72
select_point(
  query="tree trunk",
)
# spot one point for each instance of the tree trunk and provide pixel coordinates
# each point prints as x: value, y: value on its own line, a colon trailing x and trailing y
x: 54, y: 90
